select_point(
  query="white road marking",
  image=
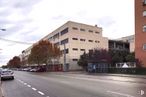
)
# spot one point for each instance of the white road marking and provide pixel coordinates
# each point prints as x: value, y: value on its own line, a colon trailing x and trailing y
x: 29, y: 85
x: 122, y: 94
x: 41, y: 93
x: 34, y: 89
x: 25, y: 83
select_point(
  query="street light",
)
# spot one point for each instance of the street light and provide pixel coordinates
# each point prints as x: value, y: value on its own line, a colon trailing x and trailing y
x: 3, y: 29
x: 65, y: 67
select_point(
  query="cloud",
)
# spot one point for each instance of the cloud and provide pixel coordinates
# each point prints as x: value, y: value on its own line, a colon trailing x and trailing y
x: 30, y: 20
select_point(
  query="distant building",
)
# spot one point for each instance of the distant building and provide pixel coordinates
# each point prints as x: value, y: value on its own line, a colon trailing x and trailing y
x: 131, y: 40
x: 140, y: 31
x: 75, y: 38
x: 119, y: 45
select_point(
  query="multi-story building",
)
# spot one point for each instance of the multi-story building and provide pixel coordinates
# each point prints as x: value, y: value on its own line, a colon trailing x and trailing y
x: 75, y: 39
x: 140, y: 31
x: 131, y: 40
x: 119, y: 45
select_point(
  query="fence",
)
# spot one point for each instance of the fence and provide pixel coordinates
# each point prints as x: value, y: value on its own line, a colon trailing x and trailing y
x: 119, y: 70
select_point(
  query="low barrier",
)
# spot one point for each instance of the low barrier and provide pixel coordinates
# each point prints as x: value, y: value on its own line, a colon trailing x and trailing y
x: 141, y: 71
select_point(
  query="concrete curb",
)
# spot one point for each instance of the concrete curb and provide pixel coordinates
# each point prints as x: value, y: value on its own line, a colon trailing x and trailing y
x: 124, y: 75
x: 110, y: 74
x: 1, y: 91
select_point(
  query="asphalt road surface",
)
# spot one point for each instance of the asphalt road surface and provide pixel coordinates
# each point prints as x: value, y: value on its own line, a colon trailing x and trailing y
x: 27, y: 84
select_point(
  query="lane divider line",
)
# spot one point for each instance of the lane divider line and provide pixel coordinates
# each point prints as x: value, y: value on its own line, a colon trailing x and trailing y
x: 29, y: 86
x: 41, y: 93
x: 25, y: 83
x: 118, y: 93
x: 34, y: 89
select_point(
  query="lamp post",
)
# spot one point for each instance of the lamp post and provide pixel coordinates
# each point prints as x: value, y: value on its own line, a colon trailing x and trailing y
x: 65, y: 67
x: 2, y: 29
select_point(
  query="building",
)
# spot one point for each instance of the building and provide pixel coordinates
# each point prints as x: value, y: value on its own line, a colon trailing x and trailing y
x: 119, y: 45
x: 140, y: 31
x: 131, y: 40
x: 75, y: 38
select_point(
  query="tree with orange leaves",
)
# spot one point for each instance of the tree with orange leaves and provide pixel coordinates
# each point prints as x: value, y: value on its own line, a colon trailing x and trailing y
x: 42, y: 52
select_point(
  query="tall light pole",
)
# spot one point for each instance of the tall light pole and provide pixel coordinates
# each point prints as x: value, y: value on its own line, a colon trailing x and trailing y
x: 2, y: 29
x: 65, y: 67
x: 0, y: 52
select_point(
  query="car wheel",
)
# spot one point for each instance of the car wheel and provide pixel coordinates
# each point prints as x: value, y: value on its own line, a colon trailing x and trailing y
x: 12, y: 78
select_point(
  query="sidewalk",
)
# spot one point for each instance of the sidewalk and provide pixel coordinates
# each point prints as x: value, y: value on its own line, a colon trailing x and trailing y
x: 109, y: 74
x: 128, y: 75
x: 1, y: 92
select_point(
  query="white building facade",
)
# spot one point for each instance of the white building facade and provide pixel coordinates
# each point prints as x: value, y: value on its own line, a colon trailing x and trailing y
x: 76, y: 38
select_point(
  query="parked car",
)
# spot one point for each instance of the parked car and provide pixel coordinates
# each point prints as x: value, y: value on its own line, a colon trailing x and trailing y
x: 34, y: 70
x: 7, y: 74
x: 27, y: 69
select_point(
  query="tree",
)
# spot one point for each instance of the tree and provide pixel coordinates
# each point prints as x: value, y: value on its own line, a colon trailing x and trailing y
x: 130, y: 57
x: 14, y: 63
x: 83, y: 61
x: 94, y: 56
x: 43, y: 52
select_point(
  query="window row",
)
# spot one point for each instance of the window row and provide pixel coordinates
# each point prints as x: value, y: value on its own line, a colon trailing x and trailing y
x: 81, y: 29
x: 57, y: 35
x: 76, y: 49
x: 85, y: 40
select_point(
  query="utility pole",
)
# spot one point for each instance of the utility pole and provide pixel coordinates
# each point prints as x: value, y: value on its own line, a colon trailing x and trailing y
x: 65, y: 66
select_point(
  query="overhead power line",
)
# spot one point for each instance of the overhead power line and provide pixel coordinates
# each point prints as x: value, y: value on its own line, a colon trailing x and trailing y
x: 19, y: 42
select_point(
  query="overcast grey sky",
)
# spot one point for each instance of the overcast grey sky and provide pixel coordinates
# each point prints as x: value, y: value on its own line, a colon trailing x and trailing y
x: 30, y: 20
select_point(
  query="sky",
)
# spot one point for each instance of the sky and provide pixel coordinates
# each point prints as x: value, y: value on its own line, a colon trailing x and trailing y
x: 30, y: 20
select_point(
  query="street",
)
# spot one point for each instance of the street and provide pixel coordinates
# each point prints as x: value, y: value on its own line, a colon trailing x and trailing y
x: 32, y: 84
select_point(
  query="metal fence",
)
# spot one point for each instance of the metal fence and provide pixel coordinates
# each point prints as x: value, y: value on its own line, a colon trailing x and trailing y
x: 119, y: 70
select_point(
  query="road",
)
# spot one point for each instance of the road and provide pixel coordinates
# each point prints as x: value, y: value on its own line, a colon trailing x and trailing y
x: 27, y: 84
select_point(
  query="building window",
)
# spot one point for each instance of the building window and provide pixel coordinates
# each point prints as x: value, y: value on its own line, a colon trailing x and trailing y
x: 144, y: 13
x: 97, y: 41
x: 66, y: 51
x: 144, y: 2
x: 90, y: 40
x: 82, y: 49
x: 75, y: 49
x: 74, y: 38
x: 90, y: 31
x: 97, y: 32
x: 82, y: 29
x: 64, y: 41
x: 144, y: 47
x: 82, y: 39
x: 144, y: 28
x: 74, y: 28
x: 75, y: 59
x: 56, y: 36
x: 64, y: 31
